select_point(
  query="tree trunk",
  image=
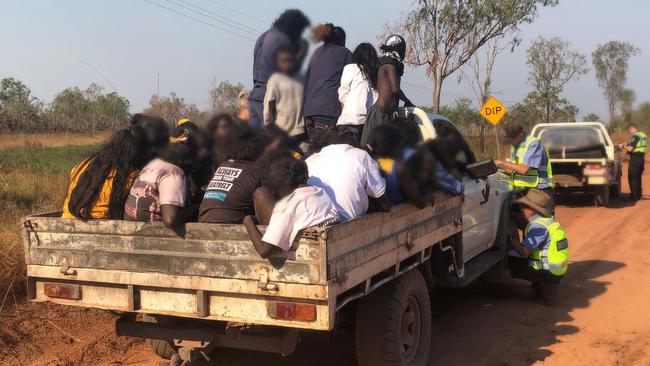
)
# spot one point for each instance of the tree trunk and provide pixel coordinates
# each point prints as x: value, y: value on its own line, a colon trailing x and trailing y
x: 482, y: 135
x: 437, y: 87
x: 610, y: 111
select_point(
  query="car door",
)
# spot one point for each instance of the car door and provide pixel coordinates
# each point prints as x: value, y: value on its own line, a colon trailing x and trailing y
x: 478, y: 212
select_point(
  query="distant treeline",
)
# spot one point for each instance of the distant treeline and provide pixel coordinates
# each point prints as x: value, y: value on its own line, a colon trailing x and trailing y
x: 93, y: 109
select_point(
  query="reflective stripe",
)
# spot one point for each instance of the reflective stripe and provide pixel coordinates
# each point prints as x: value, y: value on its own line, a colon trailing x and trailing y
x: 554, y: 255
x: 642, y: 144
x: 532, y: 179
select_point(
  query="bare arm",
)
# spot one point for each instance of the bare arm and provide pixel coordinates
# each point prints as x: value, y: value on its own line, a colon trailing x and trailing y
x: 513, y: 167
x: 516, y: 245
x: 173, y: 216
x: 263, y: 249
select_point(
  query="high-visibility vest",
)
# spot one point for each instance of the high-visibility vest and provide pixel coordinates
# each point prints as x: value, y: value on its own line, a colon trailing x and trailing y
x: 641, y: 144
x: 530, y: 179
x: 553, y: 256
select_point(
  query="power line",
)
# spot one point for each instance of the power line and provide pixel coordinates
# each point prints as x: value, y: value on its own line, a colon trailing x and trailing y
x: 199, y: 20
x: 100, y: 74
x: 216, y: 17
x: 261, y: 21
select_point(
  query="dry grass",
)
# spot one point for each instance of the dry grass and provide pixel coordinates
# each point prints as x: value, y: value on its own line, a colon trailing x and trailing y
x: 32, y: 180
x: 17, y: 140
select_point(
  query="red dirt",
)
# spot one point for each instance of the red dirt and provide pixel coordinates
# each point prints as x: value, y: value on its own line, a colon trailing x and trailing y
x: 601, y: 319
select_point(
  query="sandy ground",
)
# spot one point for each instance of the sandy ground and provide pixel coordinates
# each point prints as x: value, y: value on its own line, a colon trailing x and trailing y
x: 601, y: 319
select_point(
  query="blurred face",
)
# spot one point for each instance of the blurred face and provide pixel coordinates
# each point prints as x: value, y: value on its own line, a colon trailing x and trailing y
x: 285, y: 62
x: 244, y: 114
x: 222, y: 130
x: 631, y: 130
x: 517, y: 140
x: 528, y: 212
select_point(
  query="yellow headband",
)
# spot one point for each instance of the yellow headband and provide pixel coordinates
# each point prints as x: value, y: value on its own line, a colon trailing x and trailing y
x: 182, y: 120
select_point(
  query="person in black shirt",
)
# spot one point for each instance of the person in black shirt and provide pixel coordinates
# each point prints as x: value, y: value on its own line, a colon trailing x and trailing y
x: 389, y: 77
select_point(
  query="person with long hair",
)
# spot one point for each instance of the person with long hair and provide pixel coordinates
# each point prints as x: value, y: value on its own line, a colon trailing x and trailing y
x: 156, y: 131
x: 322, y: 107
x: 389, y: 91
x: 357, y: 90
x: 161, y: 190
x: 286, y: 31
x: 100, y: 183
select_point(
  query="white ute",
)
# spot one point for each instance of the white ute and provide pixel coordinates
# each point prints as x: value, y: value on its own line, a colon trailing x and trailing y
x: 192, y: 290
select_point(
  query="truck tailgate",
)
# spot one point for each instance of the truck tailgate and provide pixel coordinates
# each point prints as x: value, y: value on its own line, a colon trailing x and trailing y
x: 212, y: 271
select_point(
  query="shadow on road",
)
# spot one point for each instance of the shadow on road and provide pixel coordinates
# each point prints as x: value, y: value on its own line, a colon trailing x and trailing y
x: 586, y: 200
x: 479, y: 325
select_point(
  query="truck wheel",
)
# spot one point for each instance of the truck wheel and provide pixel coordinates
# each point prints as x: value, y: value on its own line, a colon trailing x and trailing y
x: 602, y: 196
x: 393, y: 324
x: 162, y: 348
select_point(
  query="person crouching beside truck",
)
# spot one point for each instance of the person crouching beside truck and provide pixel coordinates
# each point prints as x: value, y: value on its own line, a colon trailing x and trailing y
x: 542, y: 257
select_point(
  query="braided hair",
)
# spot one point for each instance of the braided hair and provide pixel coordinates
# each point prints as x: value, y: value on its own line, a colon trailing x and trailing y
x: 117, y: 160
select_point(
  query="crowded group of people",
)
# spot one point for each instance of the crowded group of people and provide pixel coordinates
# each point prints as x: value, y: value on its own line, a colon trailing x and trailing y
x: 301, y: 150
x: 305, y: 150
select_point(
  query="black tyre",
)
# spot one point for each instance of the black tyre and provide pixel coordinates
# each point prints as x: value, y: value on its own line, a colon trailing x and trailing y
x: 393, y: 324
x: 615, y: 189
x: 601, y: 198
x: 164, y: 349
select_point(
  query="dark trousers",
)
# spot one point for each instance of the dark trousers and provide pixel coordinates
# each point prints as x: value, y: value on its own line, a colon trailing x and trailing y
x: 318, y: 129
x: 353, y: 131
x: 635, y: 175
x: 256, y: 109
x: 376, y: 117
x: 520, y: 268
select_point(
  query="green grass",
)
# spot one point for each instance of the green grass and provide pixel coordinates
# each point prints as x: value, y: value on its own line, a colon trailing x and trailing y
x: 53, y: 160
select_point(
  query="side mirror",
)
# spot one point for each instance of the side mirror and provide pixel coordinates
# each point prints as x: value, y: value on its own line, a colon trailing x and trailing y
x: 482, y: 168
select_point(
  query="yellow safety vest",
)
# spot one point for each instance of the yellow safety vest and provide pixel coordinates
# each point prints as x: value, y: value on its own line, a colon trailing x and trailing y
x: 554, y: 255
x: 641, y: 144
x: 531, y: 179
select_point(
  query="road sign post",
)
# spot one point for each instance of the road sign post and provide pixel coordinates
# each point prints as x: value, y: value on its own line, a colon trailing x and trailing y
x: 494, y: 111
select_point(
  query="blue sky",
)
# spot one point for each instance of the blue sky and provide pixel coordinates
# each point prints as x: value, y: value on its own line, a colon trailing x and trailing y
x: 46, y: 43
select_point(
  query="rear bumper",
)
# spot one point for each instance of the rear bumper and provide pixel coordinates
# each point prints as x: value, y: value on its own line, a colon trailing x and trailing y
x: 181, y: 296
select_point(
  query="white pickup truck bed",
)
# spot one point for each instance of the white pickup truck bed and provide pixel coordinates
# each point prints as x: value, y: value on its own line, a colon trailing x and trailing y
x: 212, y: 271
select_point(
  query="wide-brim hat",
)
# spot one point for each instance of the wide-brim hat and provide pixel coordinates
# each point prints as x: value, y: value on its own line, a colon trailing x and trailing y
x: 537, y: 200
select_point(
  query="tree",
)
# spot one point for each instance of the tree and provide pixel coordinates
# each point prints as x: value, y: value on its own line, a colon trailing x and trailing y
x: 533, y: 110
x: 552, y: 65
x: 611, y: 63
x: 461, y: 113
x: 480, y: 80
x: 627, y: 98
x: 591, y: 117
x: 19, y: 110
x: 78, y: 110
x: 223, y: 97
x: 173, y: 108
x: 444, y: 34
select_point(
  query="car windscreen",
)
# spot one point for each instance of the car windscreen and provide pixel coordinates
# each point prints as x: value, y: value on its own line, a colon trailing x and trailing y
x: 569, y: 137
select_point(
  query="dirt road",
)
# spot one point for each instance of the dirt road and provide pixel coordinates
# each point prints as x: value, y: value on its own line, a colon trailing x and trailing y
x: 601, y: 319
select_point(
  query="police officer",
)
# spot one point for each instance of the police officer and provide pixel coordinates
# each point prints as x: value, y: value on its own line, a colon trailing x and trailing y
x: 636, y: 148
x: 542, y: 257
x: 529, y: 161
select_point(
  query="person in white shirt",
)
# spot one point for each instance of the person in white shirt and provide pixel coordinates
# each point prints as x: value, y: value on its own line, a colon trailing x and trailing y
x: 357, y: 91
x: 349, y: 175
x: 300, y: 206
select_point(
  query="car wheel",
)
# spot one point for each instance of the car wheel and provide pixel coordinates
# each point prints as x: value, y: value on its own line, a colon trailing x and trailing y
x: 393, y: 324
